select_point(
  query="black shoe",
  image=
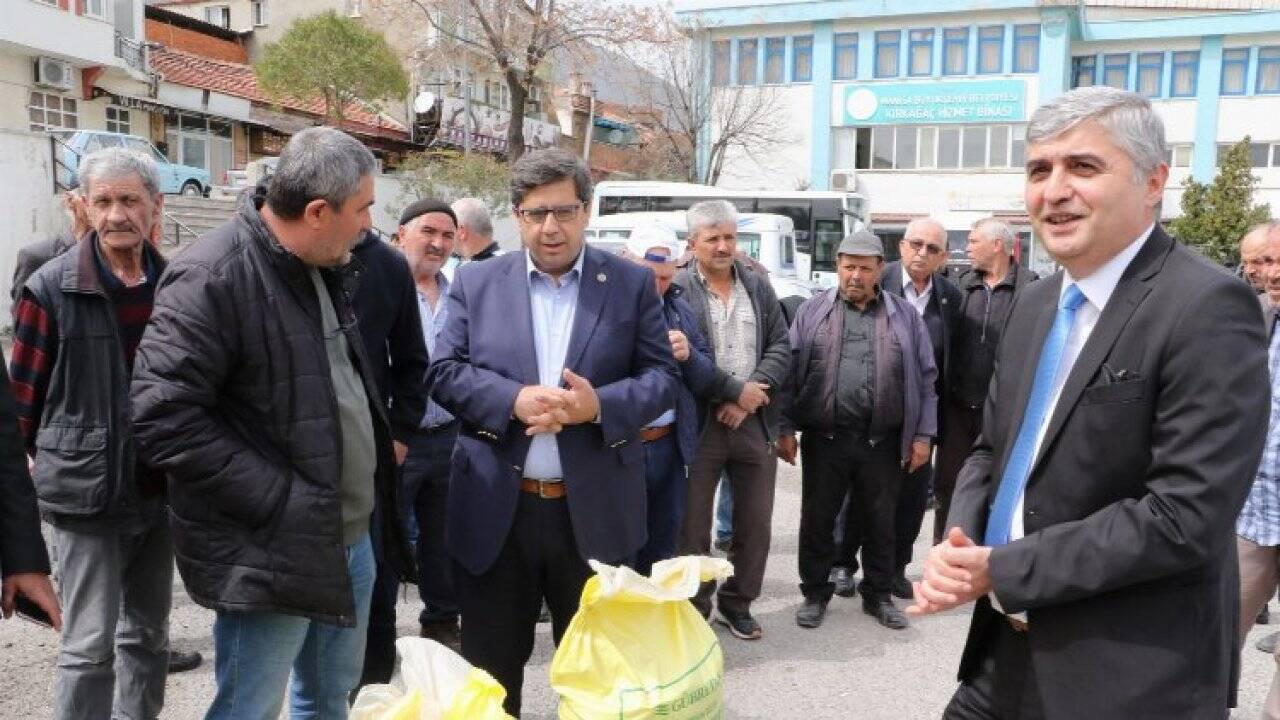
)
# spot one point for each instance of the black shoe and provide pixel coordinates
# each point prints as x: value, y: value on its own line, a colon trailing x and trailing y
x: 1268, y: 643
x: 843, y: 579
x: 811, y: 613
x: 1264, y: 616
x: 183, y: 661
x: 741, y: 624
x: 722, y: 543
x: 902, y: 588
x: 886, y: 613
x: 445, y: 632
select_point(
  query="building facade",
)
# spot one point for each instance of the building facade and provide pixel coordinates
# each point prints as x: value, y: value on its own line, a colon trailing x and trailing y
x: 923, y: 106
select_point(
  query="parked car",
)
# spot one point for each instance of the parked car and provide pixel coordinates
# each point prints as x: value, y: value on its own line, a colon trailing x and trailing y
x: 174, y: 179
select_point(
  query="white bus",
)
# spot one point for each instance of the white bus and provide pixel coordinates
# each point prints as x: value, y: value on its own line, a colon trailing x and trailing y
x: 822, y: 218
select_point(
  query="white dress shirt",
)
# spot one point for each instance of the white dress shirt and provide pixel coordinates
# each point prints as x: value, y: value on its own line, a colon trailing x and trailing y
x: 918, y: 301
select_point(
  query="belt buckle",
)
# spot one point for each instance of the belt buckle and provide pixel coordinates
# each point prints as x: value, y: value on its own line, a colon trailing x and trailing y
x: 542, y: 490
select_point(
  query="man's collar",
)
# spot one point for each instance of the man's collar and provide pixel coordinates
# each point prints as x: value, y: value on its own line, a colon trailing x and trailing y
x: 908, y: 282
x: 1098, y: 287
x: 574, y: 273
x: 697, y: 271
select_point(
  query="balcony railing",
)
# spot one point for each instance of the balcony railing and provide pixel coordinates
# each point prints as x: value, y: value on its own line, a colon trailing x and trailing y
x: 133, y: 53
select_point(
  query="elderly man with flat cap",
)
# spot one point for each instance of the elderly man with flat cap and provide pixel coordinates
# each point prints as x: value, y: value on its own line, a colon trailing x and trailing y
x: 861, y: 392
x: 671, y: 439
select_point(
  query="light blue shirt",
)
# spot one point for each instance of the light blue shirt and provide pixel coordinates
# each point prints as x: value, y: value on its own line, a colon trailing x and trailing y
x: 553, y: 308
x: 433, y: 321
x: 1259, y: 519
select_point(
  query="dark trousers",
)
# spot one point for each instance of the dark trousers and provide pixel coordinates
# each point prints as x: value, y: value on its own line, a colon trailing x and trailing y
x: 751, y: 463
x: 913, y: 500
x: 500, y: 607
x: 963, y: 425
x: 667, y: 484
x: 425, y: 482
x: 1004, y: 687
x: 833, y: 467
x: 380, y: 643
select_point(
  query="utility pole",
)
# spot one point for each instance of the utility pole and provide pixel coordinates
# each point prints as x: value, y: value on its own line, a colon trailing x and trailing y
x: 591, y: 121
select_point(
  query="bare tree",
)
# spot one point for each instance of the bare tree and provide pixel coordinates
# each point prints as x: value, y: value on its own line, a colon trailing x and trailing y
x: 519, y: 36
x: 720, y: 121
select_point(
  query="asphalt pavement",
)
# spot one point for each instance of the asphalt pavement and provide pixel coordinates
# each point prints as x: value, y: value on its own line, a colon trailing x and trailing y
x: 849, y: 668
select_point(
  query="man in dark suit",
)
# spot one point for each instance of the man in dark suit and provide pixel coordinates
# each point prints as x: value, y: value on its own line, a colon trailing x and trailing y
x: 552, y: 360
x: 918, y: 279
x: 1094, y: 520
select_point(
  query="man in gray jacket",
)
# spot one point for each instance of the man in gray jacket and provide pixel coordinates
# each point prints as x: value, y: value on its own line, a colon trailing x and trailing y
x: 739, y: 314
x: 862, y: 392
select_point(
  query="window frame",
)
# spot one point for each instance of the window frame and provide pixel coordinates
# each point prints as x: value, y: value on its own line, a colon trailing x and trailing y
x: 1144, y: 62
x: 1108, y: 66
x: 1022, y: 35
x: 728, y: 63
x: 61, y: 111
x: 1273, y: 90
x: 119, y: 124
x: 801, y: 45
x: 1078, y: 63
x: 998, y: 41
x: 259, y: 13
x: 1176, y: 64
x: 882, y: 41
x: 755, y: 61
x: 846, y: 42
x: 1242, y: 63
x: 223, y: 9
x: 774, y: 47
x: 912, y: 44
x: 948, y: 42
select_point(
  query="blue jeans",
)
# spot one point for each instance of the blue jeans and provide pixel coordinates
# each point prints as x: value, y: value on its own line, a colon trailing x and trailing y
x: 255, y: 652
x: 724, y: 509
x: 667, y: 484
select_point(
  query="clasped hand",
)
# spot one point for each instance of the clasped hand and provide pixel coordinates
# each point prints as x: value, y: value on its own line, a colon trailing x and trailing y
x: 548, y: 409
x: 955, y: 573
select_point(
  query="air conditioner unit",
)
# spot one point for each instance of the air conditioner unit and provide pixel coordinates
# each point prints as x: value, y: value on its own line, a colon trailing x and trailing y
x: 846, y: 180
x: 53, y: 73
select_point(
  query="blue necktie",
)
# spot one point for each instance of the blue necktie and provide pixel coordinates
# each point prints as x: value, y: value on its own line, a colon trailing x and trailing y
x: 1000, y: 523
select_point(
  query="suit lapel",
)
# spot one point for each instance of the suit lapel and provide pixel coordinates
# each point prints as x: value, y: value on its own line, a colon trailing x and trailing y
x: 518, y: 288
x: 591, y: 292
x: 1125, y: 299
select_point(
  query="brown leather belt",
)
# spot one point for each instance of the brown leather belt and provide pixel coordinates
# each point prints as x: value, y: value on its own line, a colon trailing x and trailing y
x: 654, y: 433
x: 547, y: 490
x: 1016, y: 624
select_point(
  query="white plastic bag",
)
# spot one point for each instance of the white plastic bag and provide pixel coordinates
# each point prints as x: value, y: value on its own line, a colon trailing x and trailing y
x: 438, y: 685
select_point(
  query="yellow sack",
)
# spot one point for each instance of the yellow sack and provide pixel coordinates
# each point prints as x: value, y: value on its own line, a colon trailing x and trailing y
x: 638, y: 649
x: 438, y: 685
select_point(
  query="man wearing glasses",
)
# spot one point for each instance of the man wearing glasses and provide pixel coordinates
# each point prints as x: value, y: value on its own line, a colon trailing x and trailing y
x: 552, y: 360
x: 918, y: 279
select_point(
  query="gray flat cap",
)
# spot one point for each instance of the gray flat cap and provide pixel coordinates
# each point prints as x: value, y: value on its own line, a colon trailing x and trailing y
x: 863, y: 242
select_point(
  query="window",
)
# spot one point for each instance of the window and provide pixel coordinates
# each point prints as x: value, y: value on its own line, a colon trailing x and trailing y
x: 47, y: 111
x: 998, y: 147
x: 925, y: 147
x: 990, y: 49
x: 904, y: 153
x: 1260, y: 154
x: 260, y: 15
x: 1084, y: 71
x: 887, y: 42
x: 219, y: 15
x: 928, y: 145
x: 747, y: 74
x: 948, y: 147
x: 974, y: 147
x: 1026, y: 48
x: 882, y: 148
x: 920, y: 60
x: 1150, y: 73
x: 353, y: 8
x: 118, y: 120
x: 775, y: 52
x: 1235, y: 67
x: 96, y: 8
x: 1186, y: 68
x: 1115, y: 70
x: 1269, y: 70
x: 802, y: 58
x: 1178, y: 155
x: 1018, y: 150
x: 720, y: 63
x: 846, y: 56
x: 955, y: 51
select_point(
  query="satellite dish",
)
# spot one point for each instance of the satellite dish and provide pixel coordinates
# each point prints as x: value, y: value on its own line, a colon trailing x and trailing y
x: 424, y: 102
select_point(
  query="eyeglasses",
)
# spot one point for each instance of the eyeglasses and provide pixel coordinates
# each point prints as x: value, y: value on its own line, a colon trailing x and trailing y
x: 918, y: 245
x: 538, y: 215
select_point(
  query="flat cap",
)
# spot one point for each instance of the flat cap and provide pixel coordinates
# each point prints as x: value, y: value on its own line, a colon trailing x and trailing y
x: 862, y: 242
x: 424, y: 206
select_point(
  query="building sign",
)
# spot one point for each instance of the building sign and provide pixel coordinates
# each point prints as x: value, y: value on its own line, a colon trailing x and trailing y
x: 489, y: 127
x: 986, y: 101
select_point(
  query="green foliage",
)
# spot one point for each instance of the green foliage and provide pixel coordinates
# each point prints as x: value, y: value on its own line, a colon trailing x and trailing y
x: 1216, y: 215
x: 331, y: 57
x: 449, y: 175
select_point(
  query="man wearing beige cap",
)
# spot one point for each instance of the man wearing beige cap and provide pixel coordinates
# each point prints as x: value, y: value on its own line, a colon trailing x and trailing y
x: 671, y: 440
x: 862, y: 393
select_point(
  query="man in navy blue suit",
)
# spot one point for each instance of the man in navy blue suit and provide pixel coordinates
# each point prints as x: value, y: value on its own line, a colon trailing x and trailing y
x: 552, y: 359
